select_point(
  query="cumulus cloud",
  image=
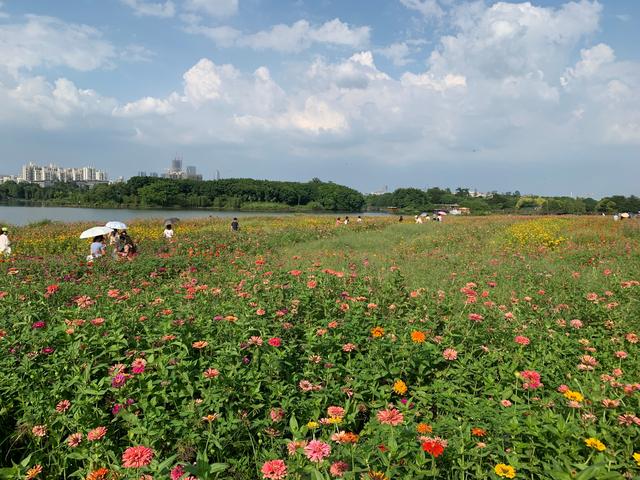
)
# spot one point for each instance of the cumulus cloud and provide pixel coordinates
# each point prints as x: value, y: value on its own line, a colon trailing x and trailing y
x: 296, y: 37
x: 427, y: 8
x: 151, y: 9
x: 398, y: 53
x: 214, y: 8
x: 50, y: 42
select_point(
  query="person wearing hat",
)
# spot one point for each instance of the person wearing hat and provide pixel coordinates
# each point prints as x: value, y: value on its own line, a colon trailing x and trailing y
x: 5, y: 243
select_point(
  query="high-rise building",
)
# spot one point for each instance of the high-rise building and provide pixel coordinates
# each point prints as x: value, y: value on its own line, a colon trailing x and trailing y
x: 48, y: 174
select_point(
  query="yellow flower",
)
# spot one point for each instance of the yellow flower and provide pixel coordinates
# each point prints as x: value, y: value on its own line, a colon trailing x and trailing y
x: 595, y: 443
x: 334, y: 420
x: 377, y: 332
x: 313, y: 425
x: 575, y: 396
x: 506, y: 471
x: 400, y: 387
x: 418, y: 337
x: 636, y: 457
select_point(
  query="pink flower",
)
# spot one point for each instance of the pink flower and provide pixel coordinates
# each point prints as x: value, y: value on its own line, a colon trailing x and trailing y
x: 475, y: 317
x: 275, y: 341
x: 63, y: 406
x: 335, y: 411
x: 577, y: 324
x: 276, y: 414
x: 522, y: 340
x: 74, y: 439
x: 621, y: 354
x: 338, y: 469
x: 316, y: 451
x: 390, y: 416
x: 505, y: 403
x: 138, y: 366
x: 37, y: 325
x: 348, y: 347
x: 274, y: 470
x: 292, y: 447
x: 532, y: 379
x: 450, y: 354
x: 137, y: 457
x: 211, y: 373
x: 39, y: 431
x: 96, y: 434
x: 119, y: 380
x: 563, y: 388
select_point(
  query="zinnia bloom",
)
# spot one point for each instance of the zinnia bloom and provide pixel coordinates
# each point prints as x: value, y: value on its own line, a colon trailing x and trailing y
x: 137, y: 457
x: 338, y: 469
x: 532, y: 379
x: 506, y: 471
x: 316, y: 451
x: 335, y: 411
x: 595, y: 443
x: 275, y: 342
x: 39, y: 431
x: 34, y: 472
x: 96, y: 434
x: 418, y: 337
x: 478, y: 432
x: 390, y: 416
x: 433, y: 447
x: 636, y: 457
x: 424, y: 428
x: 274, y: 470
x: 63, y: 406
x: 400, y: 387
x: 99, y: 474
x: 573, y: 396
x: 377, y: 332
x: 522, y: 340
x: 74, y: 439
x: 450, y: 354
x: 211, y: 373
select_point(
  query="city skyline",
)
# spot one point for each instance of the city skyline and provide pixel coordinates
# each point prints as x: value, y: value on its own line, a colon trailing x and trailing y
x: 537, y: 96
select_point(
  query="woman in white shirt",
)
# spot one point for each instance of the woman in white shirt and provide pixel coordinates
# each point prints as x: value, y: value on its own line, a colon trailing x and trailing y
x: 5, y: 248
x: 168, y: 232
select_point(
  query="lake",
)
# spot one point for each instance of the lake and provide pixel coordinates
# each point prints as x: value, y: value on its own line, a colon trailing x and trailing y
x: 13, y: 215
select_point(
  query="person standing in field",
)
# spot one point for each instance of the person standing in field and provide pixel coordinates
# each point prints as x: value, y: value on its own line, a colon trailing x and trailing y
x: 338, y: 222
x: 346, y: 220
x: 5, y: 243
x: 168, y: 232
x: 400, y: 219
x: 359, y: 220
x: 235, y: 226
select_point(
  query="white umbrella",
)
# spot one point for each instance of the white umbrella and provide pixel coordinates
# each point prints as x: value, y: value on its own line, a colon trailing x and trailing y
x: 624, y: 215
x: 442, y: 213
x: 116, y: 225
x: 95, y: 232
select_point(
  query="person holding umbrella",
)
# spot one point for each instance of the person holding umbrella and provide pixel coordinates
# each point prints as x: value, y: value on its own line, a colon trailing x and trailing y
x: 5, y: 243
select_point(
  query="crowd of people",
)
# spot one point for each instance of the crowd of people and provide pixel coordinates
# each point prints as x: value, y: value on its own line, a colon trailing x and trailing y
x: 120, y: 243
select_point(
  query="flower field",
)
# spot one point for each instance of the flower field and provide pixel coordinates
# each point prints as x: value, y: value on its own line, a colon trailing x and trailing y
x: 477, y: 348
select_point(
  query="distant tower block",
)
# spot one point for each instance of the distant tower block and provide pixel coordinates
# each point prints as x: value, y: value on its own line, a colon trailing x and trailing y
x: 217, y: 174
x: 176, y: 164
x: 191, y: 171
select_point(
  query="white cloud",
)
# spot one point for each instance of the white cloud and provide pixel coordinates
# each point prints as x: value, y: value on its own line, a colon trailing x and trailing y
x: 151, y: 9
x: 49, y: 42
x: 592, y: 59
x: 52, y: 106
x: 136, y: 54
x: 205, y: 81
x: 147, y: 106
x: 398, y: 53
x: 428, y: 8
x: 299, y: 36
x: 215, y: 8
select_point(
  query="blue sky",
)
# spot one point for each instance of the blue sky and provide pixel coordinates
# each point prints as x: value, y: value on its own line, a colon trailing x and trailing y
x: 542, y: 96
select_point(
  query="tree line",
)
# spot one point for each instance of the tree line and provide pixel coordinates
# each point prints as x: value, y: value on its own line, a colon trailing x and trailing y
x: 147, y: 192
x: 238, y: 193
x: 414, y: 200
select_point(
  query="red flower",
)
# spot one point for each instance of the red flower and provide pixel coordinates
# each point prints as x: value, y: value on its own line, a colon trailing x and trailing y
x: 275, y: 342
x: 137, y: 457
x: 433, y: 447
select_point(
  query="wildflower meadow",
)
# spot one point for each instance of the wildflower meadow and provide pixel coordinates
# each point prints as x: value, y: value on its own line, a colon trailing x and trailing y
x: 476, y: 348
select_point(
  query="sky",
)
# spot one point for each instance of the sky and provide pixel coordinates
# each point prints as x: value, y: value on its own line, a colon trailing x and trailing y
x: 541, y: 96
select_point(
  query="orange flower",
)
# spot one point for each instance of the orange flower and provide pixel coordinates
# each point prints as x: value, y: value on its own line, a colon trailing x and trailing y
x: 400, y: 387
x: 377, y: 332
x: 424, y: 428
x: 33, y: 472
x: 418, y: 337
x: 99, y: 474
x: 200, y: 345
x: 478, y: 432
